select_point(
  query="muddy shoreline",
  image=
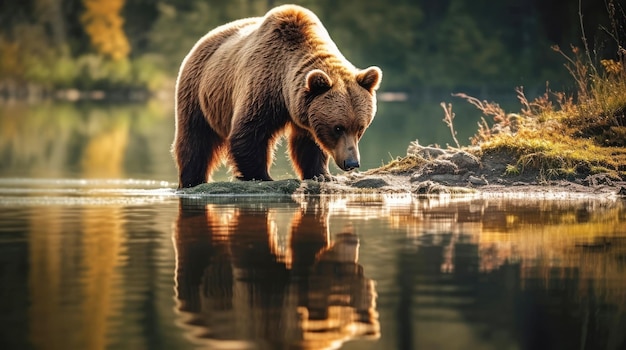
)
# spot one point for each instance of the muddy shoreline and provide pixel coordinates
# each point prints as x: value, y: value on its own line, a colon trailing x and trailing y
x: 435, y: 171
x: 367, y: 184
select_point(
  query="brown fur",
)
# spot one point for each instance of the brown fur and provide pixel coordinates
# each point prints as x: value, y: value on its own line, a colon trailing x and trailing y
x: 248, y: 82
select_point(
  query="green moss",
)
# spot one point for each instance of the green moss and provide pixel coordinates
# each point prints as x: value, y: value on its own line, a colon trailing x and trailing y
x: 555, y: 154
x: 245, y: 188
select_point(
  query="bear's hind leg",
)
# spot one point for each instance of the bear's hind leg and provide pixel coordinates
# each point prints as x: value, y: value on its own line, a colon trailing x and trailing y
x: 309, y: 160
x: 197, y: 149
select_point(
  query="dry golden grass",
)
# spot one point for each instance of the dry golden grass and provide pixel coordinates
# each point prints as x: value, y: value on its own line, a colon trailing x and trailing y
x: 400, y: 165
x: 560, y: 135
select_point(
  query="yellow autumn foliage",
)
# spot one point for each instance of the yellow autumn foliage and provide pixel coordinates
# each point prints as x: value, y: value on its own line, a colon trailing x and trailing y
x: 612, y: 67
x: 104, y: 25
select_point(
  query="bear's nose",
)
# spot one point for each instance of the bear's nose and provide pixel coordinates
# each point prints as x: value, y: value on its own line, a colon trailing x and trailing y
x: 350, y: 164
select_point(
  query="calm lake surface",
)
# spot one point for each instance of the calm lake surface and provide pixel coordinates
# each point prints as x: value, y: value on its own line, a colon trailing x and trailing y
x: 98, y: 251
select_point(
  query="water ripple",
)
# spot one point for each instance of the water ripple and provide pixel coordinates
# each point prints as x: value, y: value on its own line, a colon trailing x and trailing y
x: 33, y: 192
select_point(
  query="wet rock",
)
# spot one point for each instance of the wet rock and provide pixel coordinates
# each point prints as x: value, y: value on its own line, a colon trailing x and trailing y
x: 464, y: 160
x: 431, y: 152
x: 429, y: 187
x: 477, y: 181
x: 434, y: 170
x: 598, y: 180
x: 496, y: 163
x: 432, y: 187
x: 444, y: 178
x: 448, y: 179
x: 427, y: 152
x: 445, y: 161
x: 370, y: 183
x: 440, y: 166
x: 280, y: 187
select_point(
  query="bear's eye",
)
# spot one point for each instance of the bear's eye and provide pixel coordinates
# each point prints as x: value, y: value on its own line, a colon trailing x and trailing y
x: 339, y: 129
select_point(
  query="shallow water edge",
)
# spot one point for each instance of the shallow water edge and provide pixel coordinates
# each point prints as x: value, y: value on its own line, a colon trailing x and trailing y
x: 386, y: 184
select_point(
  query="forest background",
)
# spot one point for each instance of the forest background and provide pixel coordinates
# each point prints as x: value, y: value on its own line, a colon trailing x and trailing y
x: 128, y: 48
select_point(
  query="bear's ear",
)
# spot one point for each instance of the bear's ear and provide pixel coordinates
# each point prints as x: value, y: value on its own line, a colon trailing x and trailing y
x: 370, y: 78
x: 317, y: 81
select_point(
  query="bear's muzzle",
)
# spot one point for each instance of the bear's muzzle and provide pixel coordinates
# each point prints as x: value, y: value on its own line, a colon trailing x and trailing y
x: 350, y: 164
x: 346, y: 153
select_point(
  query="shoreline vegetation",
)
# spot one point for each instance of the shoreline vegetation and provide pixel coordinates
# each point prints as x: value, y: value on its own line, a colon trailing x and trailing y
x: 560, y: 139
x: 574, y: 142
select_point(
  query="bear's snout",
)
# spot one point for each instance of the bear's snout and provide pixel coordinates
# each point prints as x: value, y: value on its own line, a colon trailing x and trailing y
x: 350, y: 164
x: 346, y: 154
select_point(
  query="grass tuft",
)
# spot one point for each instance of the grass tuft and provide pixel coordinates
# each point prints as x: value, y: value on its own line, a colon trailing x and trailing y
x: 400, y: 165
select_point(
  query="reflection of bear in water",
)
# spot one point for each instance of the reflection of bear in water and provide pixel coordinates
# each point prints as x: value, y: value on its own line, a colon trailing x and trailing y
x: 234, y: 285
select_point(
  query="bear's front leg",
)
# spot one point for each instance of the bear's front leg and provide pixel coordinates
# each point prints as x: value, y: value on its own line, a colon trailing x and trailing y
x: 250, y: 151
x: 309, y: 160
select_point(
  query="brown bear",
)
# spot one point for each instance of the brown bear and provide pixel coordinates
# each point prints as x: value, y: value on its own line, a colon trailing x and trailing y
x: 246, y: 83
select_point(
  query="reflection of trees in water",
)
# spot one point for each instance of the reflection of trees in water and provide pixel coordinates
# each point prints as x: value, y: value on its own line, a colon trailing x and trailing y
x: 537, y: 233
x: 57, y: 140
x: 528, y: 273
x: 235, y: 282
x: 73, y: 277
x: 82, y: 266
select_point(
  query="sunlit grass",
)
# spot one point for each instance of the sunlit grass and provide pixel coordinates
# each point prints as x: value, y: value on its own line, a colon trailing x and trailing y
x: 559, y: 135
x: 556, y: 153
x: 400, y: 165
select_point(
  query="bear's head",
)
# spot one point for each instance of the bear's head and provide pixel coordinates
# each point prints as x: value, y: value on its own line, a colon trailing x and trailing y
x: 339, y: 109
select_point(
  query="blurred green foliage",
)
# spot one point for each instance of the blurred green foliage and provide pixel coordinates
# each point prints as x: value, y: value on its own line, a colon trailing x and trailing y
x: 424, y: 47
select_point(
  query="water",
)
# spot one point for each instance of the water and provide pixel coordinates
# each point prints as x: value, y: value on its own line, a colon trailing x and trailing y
x: 133, y: 141
x: 98, y: 251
